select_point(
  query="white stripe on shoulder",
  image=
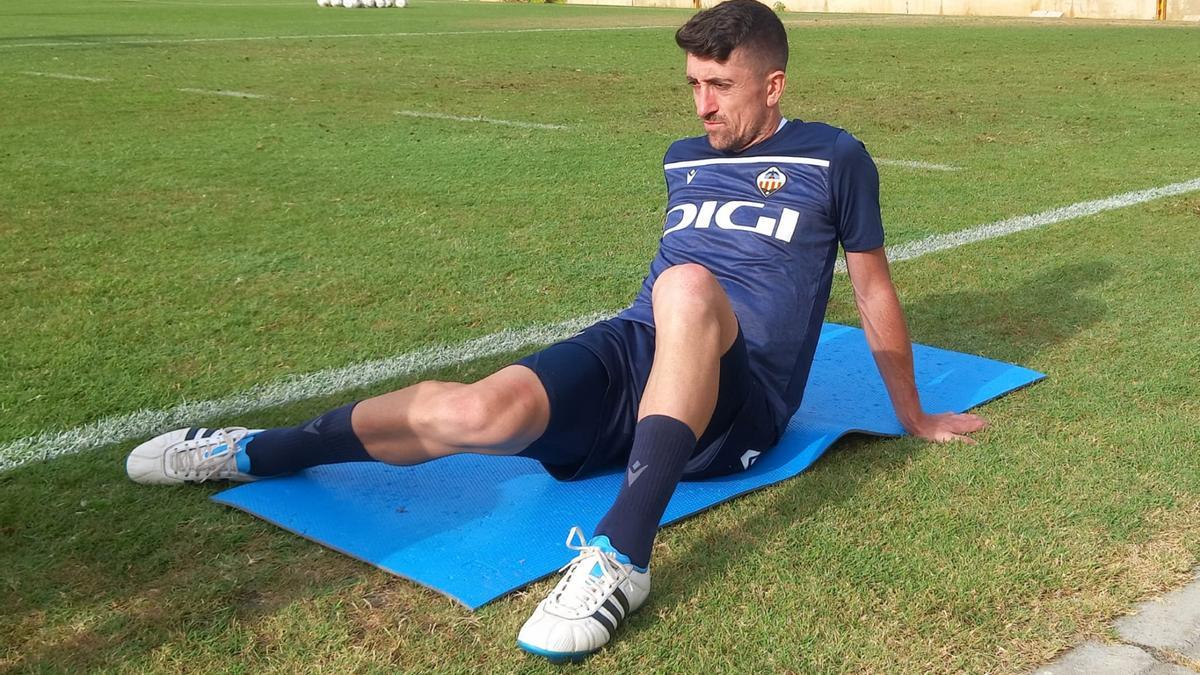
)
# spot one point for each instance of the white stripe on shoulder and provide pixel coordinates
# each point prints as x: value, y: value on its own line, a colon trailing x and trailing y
x: 765, y: 159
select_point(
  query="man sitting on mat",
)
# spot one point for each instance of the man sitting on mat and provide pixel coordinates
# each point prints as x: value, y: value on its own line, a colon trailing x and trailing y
x: 695, y: 379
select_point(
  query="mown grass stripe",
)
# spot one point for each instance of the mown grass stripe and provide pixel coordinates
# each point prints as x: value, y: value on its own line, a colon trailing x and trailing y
x: 480, y: 118
x: 116, y: 429
x: 64, y: 76
x: 222, y: 92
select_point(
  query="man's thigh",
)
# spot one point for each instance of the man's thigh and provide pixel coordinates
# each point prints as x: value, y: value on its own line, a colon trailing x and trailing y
x: 594, y: 381
x: 576, y: 384
x: 742, y: 425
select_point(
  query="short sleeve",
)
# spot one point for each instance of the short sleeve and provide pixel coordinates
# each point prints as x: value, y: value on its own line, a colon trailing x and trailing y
x: 667, y: 160
x: 854, y: 183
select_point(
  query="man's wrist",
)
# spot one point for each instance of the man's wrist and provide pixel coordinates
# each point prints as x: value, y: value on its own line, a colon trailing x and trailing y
x: 911, y: 420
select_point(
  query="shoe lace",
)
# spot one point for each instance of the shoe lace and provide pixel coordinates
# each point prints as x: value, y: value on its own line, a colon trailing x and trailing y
x: 193, y: 461
x: 580, y: 590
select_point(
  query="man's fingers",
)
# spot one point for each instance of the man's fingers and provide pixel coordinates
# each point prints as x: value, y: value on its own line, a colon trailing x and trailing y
x: 951, y: 437
x: 967, y: 423
x: 949, y: 427
x: 978, y: 423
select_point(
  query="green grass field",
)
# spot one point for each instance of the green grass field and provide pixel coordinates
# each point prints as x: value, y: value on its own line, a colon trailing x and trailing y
x: 159, y: 245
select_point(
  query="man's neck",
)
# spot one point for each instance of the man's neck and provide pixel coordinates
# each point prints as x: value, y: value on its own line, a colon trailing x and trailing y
x: 772, y: 127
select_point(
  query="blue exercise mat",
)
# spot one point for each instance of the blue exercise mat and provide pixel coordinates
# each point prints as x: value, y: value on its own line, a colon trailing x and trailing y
x: 475, y: 528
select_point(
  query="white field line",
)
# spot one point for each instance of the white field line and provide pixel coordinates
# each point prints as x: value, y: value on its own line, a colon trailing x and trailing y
x: 910, y: 164
x: 327, y: 36
x: 120, y: 428
x: 487, y: 120
x: 941, y: 242
x: 64, y: 76
x: 913, y: 164
x: 457, y: 118
x: 288, y: 390
x: 223, y: 92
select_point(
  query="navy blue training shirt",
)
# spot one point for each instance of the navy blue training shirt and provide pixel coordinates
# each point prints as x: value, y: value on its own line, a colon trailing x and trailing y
x: 767, y: 223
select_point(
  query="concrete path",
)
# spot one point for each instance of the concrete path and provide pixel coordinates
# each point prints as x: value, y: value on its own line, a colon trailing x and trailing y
x: 1162, y: 638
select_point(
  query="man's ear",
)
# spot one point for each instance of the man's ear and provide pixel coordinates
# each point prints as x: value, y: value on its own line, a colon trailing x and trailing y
x: 776, y: 81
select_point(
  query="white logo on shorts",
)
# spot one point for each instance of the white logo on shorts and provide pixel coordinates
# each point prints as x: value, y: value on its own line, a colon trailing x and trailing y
x: 749, y: 458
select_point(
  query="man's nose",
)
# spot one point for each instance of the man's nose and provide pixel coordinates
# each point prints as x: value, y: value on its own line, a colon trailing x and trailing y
x: 706, y: 102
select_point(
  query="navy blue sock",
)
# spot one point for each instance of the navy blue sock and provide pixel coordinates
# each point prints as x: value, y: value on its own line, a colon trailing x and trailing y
x: 327, y: 439
x: 662, y: 446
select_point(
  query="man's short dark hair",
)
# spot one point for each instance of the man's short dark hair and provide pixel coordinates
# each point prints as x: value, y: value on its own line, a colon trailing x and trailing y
x: 716, y: 32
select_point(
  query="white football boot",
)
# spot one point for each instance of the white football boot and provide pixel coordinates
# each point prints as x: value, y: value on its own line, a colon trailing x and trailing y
x: 192, y: 455
x: 601, y: 587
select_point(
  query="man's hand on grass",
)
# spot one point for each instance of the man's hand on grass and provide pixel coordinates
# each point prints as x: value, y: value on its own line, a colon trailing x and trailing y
x: 947, y: 427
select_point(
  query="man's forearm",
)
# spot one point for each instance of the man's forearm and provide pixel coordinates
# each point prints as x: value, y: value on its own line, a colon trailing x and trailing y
x: 887, y: 336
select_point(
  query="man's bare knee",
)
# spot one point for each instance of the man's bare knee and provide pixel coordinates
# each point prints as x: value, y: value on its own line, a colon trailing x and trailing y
x: 688, y: 298
x: 688, y: 282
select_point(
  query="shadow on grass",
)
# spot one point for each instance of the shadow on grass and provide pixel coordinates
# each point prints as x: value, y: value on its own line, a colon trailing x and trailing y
x: 1017, y: 321
x: 1012, y: 323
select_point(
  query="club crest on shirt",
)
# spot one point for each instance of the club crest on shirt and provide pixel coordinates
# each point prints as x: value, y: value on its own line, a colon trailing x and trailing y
x: 770, y: 181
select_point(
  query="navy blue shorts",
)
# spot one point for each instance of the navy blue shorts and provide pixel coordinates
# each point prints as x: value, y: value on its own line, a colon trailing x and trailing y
x: 595, y: 382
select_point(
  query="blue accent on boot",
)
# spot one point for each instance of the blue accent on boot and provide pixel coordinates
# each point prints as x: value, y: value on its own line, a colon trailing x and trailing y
x: 601, y: 541
x: 243, y: 460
